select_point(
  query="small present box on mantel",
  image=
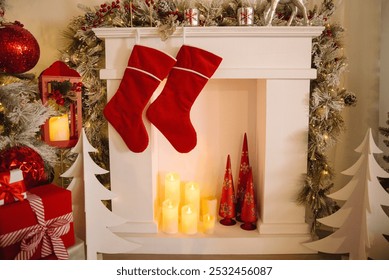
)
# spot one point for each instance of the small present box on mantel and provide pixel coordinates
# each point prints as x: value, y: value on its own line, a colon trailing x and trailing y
x: 12, y: 187
x: 40, y: 227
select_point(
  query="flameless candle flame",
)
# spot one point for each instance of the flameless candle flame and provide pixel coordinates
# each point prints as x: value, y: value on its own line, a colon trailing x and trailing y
x: 192, y: 196
x: 172, y: 187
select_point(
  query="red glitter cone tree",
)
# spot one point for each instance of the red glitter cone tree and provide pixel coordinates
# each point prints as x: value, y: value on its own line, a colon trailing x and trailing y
x: 227, y: 200
x: 243, y: 176
x: 249, y: 207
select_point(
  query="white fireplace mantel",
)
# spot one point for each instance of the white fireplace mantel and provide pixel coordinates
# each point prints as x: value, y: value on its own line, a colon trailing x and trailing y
x: 261, y: 88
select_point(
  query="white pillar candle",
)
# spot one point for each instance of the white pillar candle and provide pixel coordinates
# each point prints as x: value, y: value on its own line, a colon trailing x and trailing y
x: 172, y: 187
x: 192, y: 196
x: 209, y: 205
x: 208, y: 223
x: 188, y: 220
x: 169, y: 216
x: 59, y: 128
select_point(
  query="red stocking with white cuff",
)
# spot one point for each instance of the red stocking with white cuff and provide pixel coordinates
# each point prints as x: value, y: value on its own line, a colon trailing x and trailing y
x: 170, y: 112
x: 147, y: 67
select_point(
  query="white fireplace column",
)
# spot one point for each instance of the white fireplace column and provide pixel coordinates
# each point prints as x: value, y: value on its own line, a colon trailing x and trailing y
x: 278, y: 60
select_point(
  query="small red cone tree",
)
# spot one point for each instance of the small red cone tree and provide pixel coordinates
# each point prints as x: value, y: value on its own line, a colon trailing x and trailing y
x: 227, y: 200
x: 243, y: 176
x: 249, y: 206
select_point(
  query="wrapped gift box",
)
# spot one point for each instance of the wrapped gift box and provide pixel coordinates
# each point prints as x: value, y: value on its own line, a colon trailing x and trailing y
x: 12, y: 187
x: 49, y: 226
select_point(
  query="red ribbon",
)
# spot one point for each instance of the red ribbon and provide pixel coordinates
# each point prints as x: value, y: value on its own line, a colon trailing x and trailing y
x: 46, y: 232
x: 10, y: 191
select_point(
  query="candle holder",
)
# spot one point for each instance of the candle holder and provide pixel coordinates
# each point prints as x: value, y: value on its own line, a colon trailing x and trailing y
x: 246, y: 16
x: 191, y: 17
x: 60, y: 87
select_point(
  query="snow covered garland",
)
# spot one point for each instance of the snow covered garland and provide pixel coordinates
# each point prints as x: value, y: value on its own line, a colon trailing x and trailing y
x: 85, y: 53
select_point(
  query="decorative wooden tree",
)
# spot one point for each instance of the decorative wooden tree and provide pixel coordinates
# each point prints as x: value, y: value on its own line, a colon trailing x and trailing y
x: 361, y: 221
x: 93, y: 217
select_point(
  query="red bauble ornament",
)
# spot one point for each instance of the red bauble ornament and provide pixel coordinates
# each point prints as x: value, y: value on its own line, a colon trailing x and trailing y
x: 27, y: 160
x: 19, y: 50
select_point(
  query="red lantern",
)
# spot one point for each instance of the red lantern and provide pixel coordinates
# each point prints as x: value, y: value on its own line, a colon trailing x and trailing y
x: 61, y: 87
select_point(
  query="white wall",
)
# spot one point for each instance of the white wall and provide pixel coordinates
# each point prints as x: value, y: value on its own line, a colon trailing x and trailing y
x: 362, y: 21
x: 384, y: 72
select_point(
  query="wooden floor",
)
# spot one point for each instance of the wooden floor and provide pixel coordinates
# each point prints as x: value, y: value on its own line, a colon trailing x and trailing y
x: 319, y: 256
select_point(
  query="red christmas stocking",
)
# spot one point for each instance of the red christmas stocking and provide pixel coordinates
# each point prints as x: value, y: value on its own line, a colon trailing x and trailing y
x: 170, y: 112
x: 147, y: 67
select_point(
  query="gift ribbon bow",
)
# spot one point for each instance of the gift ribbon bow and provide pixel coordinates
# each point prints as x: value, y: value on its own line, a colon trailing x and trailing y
x: 46, y: 232
x: 10, y: 191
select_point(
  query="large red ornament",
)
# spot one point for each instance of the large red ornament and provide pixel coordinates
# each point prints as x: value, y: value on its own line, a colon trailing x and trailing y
x: 19, y: 50
x: 27, y: 160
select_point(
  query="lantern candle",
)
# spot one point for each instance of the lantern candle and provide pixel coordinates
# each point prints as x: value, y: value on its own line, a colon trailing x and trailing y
x: 172, y: 187
x: 208, y: 223
x: 169, y: 216
x: 59, y: 128
x: 188, y: 220
x: 192, y: 196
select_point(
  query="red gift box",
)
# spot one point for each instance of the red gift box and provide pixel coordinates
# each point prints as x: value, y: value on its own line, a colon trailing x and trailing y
x: 12, y: 187
x: 39, y: 227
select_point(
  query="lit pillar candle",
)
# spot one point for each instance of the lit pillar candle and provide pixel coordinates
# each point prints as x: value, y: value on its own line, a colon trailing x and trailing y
x: 169, y: 216
x: 188, y: 220
x: 208, y: 223
x: 192, y: 196
x: 172, y: 187
x: 209, y: 205
x: 59, y: 128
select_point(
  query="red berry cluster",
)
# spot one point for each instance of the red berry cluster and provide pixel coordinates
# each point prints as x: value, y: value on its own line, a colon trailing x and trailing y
x: 149, y: 3
x: 77, y: 87
x: 129, y: 7
x: 105, y: 9
x: 58, y: 97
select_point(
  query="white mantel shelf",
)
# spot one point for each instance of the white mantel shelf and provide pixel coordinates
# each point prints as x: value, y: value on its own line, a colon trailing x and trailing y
x: 270, y: 68
x: 214, y: 31
x: 239, y: 46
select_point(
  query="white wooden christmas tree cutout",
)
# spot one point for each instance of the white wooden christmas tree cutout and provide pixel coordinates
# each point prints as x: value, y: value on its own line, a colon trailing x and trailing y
x: 94, y: 219
x: 361, y: 221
